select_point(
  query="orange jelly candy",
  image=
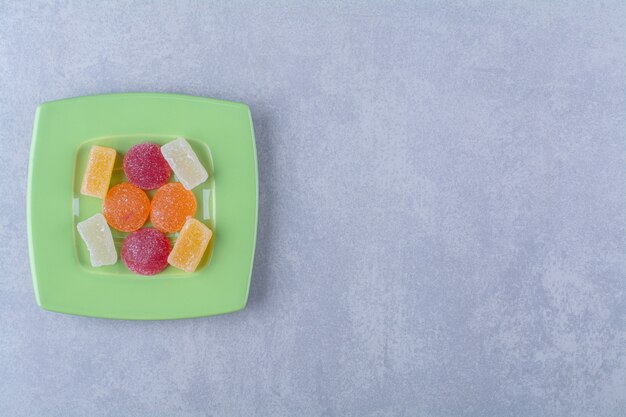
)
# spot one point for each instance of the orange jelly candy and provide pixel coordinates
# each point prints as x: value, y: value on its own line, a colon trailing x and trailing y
x: 126, y: 207
x: 171, y: 206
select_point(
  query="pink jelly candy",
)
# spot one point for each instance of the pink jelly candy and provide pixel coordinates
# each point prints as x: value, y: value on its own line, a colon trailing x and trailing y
x: 145, y: 251
x: 145, y: 166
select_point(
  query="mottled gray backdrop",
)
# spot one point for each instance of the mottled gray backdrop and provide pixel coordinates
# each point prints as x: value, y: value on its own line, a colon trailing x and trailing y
x: 442, y: 209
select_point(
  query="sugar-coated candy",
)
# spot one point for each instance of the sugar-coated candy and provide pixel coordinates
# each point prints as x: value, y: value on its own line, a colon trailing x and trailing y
x: 145, y: 251
x: 171, y: 205
x: 145, y: 166
x: 190, y: 245
x: 98, y: 173
x: 185, y: 163
x: 126, y: 207
x: 97, y: 235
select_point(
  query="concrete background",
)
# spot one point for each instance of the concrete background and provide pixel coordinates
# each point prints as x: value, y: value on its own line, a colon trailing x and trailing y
x: 442, y: 216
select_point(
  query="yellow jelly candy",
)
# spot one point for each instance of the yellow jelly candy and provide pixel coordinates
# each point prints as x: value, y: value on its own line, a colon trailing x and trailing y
x: 98, y: 172
x: 190, y: 245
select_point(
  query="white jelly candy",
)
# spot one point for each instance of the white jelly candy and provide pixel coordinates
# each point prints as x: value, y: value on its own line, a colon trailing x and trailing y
x: 184, y: 162
x: 97, y: 235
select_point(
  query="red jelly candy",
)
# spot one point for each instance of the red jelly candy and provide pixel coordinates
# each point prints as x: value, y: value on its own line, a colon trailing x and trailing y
x: 145, y: 251
x: 145, y: 166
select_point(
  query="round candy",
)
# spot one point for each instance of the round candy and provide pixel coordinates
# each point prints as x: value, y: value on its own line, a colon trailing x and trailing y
x: 145, y: 251
x: 145, y: 166
x: 126, y: 207
x: 171, y: 205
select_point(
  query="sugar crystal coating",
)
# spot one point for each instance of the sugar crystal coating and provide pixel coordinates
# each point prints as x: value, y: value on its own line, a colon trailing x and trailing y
x: 145, y: 251
x: 98, y: 172
x: 126, y: 207
x: 145, y: 166
x: 184, y: 163
x: 171, y: 206
x: 99, y: 240
x: 190, y: 245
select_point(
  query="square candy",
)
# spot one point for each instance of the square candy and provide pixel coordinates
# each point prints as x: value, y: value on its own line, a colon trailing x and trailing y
x: 97, y: 235
x: 98, y: 173
x: 185, y: 163
x: 190, y: 245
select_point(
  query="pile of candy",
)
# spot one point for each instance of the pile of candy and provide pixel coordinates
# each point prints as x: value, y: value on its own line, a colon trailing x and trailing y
x: 126, y: 207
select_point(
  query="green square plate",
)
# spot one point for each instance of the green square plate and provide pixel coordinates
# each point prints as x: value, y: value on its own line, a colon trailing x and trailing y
x: 221, y: 134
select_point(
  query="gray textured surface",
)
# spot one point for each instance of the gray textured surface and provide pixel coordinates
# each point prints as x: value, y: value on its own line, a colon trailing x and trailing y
x: 442, y: 224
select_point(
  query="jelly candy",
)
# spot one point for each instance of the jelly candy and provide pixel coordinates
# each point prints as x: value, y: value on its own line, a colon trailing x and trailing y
x: 98, y: 173
x: 145, y: 166
x: 97, y: 235
x: 185, y: 163
x: 145, y: 251
x: 190, y: 245
x: 171, y: 205
x: 126, y: 207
